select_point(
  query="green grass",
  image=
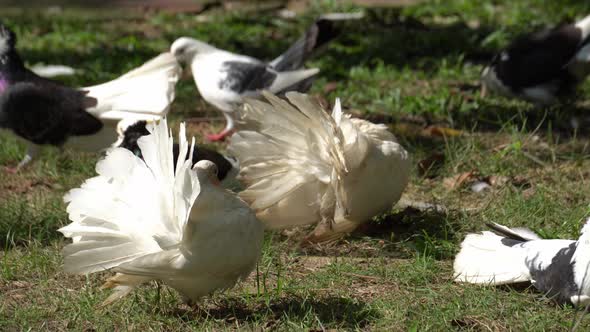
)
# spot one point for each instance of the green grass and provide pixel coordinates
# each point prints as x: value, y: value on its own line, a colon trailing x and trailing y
x: 408, y: 67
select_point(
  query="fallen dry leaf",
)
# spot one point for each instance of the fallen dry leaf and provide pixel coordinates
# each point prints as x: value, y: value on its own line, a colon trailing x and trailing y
x: 456, y: 181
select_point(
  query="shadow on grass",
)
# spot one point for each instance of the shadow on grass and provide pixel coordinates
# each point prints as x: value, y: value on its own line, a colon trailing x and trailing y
x: 23, y: 220
x: 330, y: 312
x: 403, y: 43
x: 429, y: 232
x: 399, y: 235
x: 564, y: 120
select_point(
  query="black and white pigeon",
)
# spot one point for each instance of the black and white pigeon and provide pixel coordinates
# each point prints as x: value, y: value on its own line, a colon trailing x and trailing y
x: 224, y: 78
x: 544, y: 66
x: 559, y: 268
x: 227, y: 167
x: 45, y: 112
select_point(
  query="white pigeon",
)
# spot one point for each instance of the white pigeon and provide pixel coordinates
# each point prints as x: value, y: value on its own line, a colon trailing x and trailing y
x: 559, y: 268
x: 302, y: 166
x: 151, y: 221
x: 224, y: 78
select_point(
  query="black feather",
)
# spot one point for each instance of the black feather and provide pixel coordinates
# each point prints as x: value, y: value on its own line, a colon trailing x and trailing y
x: 507, y: 234
x: 246, y: 76
x: 557, y: 279
x: 315, y: 37
x: 138, y: 129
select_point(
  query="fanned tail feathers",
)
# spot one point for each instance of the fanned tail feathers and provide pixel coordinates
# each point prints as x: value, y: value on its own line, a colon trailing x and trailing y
x: 484, y: 259
x: 288, y: 152
x: 133, y: 211
x: 144, y: 93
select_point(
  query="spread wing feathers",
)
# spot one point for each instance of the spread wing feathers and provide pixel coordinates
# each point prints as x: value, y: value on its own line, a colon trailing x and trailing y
x: 484, y: 259
x: 142, y: 94
x: 293, y: 159
x: 132, y: 208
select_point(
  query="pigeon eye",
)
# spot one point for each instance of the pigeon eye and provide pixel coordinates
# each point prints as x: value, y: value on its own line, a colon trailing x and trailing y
x: 180, y: 50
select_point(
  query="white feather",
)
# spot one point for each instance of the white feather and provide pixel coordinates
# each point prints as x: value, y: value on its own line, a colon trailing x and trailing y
x: 302, y: 166
x: 144, y: 93
x: 584, y: 25
x: 147, y: 220
x: 53, y: 70
x: 484, y: 259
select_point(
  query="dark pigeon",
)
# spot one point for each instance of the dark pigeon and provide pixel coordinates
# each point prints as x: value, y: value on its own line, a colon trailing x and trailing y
x: 37, y: 109
x: 542, y: 67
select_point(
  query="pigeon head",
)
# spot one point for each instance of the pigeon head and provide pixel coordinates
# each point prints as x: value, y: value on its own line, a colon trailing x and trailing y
x: 132, y: 134
x: 7, y: 39
x: 207, y: 171
x: 493, y: 76
x: 185, y: 48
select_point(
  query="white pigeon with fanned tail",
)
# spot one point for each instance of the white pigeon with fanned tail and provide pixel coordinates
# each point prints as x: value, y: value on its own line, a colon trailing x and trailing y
x: 559, y: 268
x: 303, y: 166
x: 148, y: 221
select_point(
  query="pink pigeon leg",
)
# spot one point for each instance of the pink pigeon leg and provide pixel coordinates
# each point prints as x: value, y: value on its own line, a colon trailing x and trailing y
x: 228, y: 130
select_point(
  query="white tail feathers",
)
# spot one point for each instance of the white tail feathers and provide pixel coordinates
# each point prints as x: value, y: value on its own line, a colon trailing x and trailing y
x: 132, y: 210
x: 484, y: 259
x: 304, y: 166
x: 144, y: 93
x: 286, y: 79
